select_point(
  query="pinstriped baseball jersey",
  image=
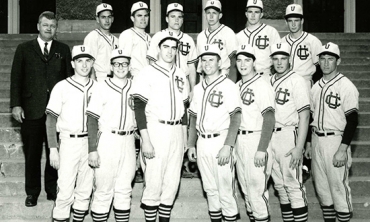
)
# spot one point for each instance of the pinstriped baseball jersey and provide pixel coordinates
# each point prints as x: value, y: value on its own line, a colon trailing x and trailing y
x: 111, y: 105
x: 214, y: 103
x: 101, y: 47
x: 303, y: 54
x: 226, y: 40
x: 186, y: 53
x: 291, y: 98
x: 71, y: 97
x: 137, y: 44
x: 331, y: 101
x: 261, y: 39
x: 257, y: 97
x: 163, y: 91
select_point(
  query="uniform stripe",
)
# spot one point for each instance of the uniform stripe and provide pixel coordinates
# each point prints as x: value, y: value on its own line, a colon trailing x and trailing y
x: 93, y: 115
x: 267, y: 109
x: 210, y: 35
x: 294, y: 45
x: 142, y: 98
x: 252, y: 34
x: 144, y: 37
x: 346, y: 188
x: 110, y: 41
x: 51, y: 112
x: 280, y: 80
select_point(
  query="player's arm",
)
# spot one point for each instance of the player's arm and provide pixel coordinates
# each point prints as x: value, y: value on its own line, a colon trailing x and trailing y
x: 297, y: 152
x: 93, y: 74
x: 192, y: 78
x: 224, y: 154
x: 51, y: 132
x: 267, y: 128
x: 185, y: 123
x: 147, y: 147
x: 16, y: 85
x: 233, y: 71
x: 193, y: 137
x: 340, y: 157
x: 92, y: 126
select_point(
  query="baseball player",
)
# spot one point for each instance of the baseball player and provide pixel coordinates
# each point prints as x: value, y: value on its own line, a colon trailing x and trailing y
x: 135, y: 40
x: 160, y: 99
x: 288, y: 139
x: 66, y: 114
x: 304, y: 47
x: 215, y: 116
x: 260, y: 36
x: 102, y: 42
x: 186, y: 55
x: 113, y: 154
x: 253, y: 152
x: 334, y: 106
x: 219, y: 34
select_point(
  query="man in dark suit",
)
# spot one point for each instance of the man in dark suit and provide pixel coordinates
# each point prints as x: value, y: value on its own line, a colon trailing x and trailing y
x: 38, y: 65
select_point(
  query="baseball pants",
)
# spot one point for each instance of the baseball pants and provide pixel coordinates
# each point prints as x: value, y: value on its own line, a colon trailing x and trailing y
x: 218, y: 181
x: 331, y: 182
x: 117, y: 170
x: 162, y: 173
x: 75, y: 177
x: 253, y: 180
x: 288, y: 181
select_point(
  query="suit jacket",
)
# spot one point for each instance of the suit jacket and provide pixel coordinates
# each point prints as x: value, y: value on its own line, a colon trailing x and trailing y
x: 33, y: 77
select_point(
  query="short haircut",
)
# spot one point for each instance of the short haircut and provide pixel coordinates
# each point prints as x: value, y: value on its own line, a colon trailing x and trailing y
x: 49, y: 15
x: 165, y: 39
x: 133, y: 14
x: 329, y: 53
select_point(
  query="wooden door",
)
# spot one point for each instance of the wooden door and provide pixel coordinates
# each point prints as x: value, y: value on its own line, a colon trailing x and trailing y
x: 192, y: 17
x: 362, y: 16
x: 3, y: 16
x: 323, y: 16
x: 30, y: 11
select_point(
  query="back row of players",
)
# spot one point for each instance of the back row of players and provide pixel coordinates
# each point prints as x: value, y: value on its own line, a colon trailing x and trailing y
x: 269, y: 124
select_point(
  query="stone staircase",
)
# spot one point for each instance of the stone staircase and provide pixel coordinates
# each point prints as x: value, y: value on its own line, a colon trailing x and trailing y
x: 191, y: 204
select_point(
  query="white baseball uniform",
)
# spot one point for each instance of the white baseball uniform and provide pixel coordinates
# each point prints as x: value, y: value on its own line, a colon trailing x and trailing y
x: 68, y: 102
x: 291, y: 98
x: 101, y: 47
x: 112, y: 106
x: 331, y: 102
x: 261, y: 39
x: 303, y: 54
x: 226, y: 40
x: 137, y: 44
x: 257, y: 98
x: 165, y: 95
x: 212, y: 105
x: 186, y: 54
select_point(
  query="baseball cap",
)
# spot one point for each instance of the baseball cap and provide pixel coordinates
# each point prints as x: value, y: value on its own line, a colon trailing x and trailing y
x: 139, y: 6
x: 255, y: 3
x: 210, y: 49
x: 246, y: 50
x: 293, y: 10
x: 79, y: 51
x: 213, y: 4
x: 103, y: 7
x: 174, y: 7
x: 280, y: 49
x: 119, y: 53
x: 330, y: 49
x: 164, y: 35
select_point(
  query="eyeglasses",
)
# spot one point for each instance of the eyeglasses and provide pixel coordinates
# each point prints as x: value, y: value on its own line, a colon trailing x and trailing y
x: 118, y: 64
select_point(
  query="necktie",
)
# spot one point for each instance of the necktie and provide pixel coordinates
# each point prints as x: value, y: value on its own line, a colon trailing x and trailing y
x: 46, y: 52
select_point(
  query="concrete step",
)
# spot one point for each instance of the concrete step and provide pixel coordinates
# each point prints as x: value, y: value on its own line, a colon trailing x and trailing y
x: 361, y: 83
x: 16, y: 167
x: 360, y: 149
x: 184, y: 208
x: 5, y: 105
x: 349, y: 68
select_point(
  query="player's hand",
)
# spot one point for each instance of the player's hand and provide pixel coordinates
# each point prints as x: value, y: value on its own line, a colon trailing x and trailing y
x: 308, y: 152
x: 340, y: 157
x: 296, y: 157
x: 54, y: 158
x: 260, y: 159
x: 224, y: 155
x: 18, y: 113
x: 94, y: 159
x: 147, y: 150
x: 192, y: 154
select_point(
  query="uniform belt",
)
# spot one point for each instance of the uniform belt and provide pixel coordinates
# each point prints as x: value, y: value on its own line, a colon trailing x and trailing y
x: 327, y: 133
x: 277, y: 129
x: 122, y: 133
x: 244, y: 132
x: 171, y: 122
x: 78, y: 135
x: 209, y: 136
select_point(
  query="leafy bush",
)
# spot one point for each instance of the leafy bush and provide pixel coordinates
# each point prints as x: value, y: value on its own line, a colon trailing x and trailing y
x: 274, y: 9
x: 76, y: 9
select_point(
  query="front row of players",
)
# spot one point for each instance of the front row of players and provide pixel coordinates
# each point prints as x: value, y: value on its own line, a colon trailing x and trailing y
x: 269, y: 124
